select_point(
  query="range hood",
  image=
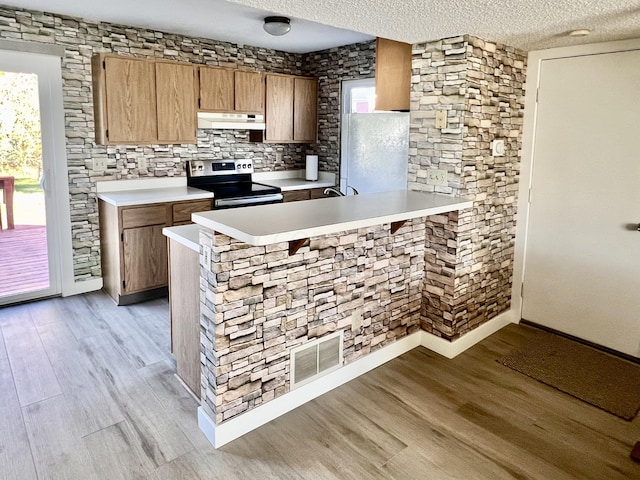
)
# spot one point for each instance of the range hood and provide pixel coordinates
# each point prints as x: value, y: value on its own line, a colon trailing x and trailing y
x: 237, y: 121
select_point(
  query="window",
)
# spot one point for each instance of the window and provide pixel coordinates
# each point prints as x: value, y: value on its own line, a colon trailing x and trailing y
x: 358, y: 96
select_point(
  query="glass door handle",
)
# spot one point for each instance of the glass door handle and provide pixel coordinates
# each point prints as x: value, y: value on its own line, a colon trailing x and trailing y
x: 44, y: 184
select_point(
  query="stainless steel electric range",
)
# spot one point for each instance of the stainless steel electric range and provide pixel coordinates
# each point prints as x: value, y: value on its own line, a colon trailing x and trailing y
x: 231, y: 184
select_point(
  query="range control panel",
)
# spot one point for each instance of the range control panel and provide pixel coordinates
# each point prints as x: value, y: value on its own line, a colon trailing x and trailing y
x: 204, y: 168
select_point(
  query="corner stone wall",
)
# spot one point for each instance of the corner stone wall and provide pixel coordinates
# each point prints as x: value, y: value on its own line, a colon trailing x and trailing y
x: 82, y: 39
x: 469, y: 257
x: 258, y: 302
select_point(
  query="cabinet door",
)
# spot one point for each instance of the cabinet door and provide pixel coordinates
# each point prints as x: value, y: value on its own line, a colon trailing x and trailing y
x: 279, y: 108
x: 144, y: 258
x: 216, y: 89
x: 393, y: 75
x: 175, y: 93
x: 305, y: 118
x: 249, y: 92
x: 130, y: 100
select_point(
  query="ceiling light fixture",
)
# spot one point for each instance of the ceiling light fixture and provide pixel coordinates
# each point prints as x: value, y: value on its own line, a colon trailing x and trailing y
x: 277, y: 25
x: 582, y: 32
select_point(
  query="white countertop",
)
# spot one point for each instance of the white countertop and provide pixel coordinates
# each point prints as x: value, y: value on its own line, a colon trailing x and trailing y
x: 127, y: 198
x: 294, y: 180
x: 267, y: 224
x: 187, y: 235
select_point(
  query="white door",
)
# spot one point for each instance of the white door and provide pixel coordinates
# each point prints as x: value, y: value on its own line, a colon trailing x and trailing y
x: 34, y: 227
x: 582, y: 263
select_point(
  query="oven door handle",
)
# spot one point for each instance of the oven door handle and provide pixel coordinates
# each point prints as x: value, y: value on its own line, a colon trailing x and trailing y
x: 252, y: 200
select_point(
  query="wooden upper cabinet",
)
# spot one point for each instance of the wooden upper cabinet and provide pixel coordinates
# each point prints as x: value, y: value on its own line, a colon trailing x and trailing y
x: 305, y: 110
x: 217, y: 87
x: 226, y: 90
x: 124, y: 100
x: 249, y: 92
x: 291, y: 109
x: 279, y: 108
x: 176, y: 105
x: 393, y: 75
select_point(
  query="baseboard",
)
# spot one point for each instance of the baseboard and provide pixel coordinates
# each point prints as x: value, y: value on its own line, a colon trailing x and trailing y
x: 222, y: 434
x: 78, y: 288
x: 452, y: 349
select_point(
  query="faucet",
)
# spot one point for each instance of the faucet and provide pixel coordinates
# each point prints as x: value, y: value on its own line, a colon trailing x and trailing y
x: 333, y: 192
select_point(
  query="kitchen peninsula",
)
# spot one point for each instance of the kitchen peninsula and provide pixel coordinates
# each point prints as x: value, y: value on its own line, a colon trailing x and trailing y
x: 296, y: 291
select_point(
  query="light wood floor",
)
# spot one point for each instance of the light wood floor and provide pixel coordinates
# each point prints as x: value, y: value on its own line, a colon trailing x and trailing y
x: 87, y: 391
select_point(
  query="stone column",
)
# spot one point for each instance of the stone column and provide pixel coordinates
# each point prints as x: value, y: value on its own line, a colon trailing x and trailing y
x: 469, y: 256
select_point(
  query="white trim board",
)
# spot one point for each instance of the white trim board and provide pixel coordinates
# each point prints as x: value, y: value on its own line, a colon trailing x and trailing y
x: 236, y: 427
x: 87, y: 286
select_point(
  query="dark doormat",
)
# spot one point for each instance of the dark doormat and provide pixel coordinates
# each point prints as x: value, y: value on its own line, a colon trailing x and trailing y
x: 593, y: 376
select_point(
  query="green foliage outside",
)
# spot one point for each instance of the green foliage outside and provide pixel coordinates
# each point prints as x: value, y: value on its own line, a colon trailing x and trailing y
x: 27, y: 185
x: 20, y: 136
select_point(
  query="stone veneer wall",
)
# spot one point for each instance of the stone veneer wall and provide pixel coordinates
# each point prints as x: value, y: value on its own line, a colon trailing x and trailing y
x: 259, y: 302
x: 81, y: 39
x: 469, y: 253
x: 351, y: 62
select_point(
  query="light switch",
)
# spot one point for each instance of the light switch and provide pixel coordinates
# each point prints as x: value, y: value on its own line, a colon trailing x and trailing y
x: 441, y: 119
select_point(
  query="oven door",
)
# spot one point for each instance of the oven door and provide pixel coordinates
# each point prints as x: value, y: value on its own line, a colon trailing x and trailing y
x: 234, y: 202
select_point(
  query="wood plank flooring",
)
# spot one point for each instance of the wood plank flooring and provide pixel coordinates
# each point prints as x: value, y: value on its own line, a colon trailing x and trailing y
x: 88, y: 391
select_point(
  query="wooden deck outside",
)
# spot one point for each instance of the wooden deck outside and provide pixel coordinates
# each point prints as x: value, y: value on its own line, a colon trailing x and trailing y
x: 24, y: 265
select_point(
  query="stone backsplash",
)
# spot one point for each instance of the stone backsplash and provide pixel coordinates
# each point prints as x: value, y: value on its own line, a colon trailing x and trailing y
x: 82, y: 39
x: 470, y: 253
x: 351, y: 62
x: 258, y: 302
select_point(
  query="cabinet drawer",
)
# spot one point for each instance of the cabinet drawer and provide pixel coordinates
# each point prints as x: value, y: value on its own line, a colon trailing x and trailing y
x: 295, y: 195
x: 182, y: 211
x: 317, y: 193
x: 143, y: 216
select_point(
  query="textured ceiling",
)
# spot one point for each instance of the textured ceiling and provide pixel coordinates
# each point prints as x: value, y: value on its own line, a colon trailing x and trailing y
x: 320, y: 24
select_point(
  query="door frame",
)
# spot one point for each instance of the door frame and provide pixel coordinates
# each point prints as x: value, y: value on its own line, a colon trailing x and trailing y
x: 16, y: 56
x: 534, y: 63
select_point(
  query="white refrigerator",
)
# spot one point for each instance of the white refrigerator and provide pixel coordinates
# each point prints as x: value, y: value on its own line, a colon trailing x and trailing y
x: 374, y: 152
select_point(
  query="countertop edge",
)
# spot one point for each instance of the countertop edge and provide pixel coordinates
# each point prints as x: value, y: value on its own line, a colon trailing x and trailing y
x: 124, y: 199
x: 261, y: 240
x: 183, y: 234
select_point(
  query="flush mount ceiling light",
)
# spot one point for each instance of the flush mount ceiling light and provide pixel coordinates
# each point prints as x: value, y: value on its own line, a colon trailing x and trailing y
x: 277, y: 25
x: 582, y: 32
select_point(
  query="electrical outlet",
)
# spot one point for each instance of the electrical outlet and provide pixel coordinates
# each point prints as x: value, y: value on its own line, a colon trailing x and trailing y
x: 356, y: 321
x: 143, y: 164
x: 99, y: 164
x: 206, y: 253
x: 498, y: 148
x: 437, y: 177
x: 278, y: 157
x: 441, y: 119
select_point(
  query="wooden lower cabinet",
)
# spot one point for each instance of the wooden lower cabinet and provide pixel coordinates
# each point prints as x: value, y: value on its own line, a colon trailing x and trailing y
x: 134, y: 250
x: 145, y: 258
x: 304, y: 194
x: 184, y: 305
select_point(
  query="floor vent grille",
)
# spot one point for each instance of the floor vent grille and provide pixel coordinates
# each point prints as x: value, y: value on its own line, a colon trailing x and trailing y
x: 315, y: 359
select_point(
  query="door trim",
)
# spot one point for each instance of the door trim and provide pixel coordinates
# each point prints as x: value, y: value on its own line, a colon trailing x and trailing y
x: 54, y: 154
x: 534, y: 63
